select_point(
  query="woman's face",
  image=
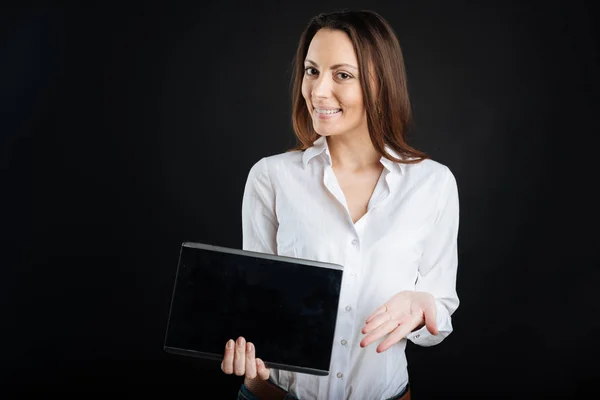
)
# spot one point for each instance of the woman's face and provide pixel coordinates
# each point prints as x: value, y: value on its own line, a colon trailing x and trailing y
x: 331, y: 86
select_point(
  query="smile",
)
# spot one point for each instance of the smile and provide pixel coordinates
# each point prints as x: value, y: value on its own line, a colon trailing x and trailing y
x: 325, y: 111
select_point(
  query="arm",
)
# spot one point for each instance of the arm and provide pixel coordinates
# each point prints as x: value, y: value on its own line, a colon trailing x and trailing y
x: 259, y: 233
x: 259, y: 222
x: 438, y: 268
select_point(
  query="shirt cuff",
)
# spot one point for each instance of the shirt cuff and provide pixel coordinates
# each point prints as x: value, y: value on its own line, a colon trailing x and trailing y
x: 423, y: 337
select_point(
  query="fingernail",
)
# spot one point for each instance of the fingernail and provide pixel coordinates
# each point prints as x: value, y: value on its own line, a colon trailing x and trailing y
x: 249, y: 347
x: 230, y: 344
x: 240, y: 341
x: 259, y: 361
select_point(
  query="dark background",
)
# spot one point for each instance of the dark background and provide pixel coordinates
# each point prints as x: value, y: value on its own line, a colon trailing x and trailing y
x: 128, y: 128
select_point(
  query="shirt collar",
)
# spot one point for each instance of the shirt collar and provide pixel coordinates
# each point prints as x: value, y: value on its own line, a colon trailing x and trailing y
x: 320, y: 146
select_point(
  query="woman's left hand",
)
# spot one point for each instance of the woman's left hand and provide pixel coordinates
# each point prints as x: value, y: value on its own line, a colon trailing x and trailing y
x: 399, y: 316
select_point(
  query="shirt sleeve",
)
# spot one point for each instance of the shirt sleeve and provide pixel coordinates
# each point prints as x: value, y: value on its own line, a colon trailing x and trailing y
x: 259, y: 221
x: 438, y: 268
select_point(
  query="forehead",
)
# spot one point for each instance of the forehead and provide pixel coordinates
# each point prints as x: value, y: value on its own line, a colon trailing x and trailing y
x: 329, y: 47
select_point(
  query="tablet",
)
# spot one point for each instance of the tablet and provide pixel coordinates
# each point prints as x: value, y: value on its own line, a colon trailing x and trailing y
x: 287, y: 307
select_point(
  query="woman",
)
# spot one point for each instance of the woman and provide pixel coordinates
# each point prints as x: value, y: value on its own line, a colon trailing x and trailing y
x: 355, y: 193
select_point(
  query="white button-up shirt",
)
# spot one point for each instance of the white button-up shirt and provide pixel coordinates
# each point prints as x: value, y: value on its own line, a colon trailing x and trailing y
x: 407, y: 240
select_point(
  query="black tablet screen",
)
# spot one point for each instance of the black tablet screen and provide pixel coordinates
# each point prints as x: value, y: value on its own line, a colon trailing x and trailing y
x: 287, y: 309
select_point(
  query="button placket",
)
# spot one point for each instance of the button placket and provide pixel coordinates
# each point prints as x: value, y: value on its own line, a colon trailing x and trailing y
x: 346, y: 320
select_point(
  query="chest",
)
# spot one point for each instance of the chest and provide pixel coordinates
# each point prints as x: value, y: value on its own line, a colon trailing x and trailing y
x: 389, y: 216
x: 357, y: 189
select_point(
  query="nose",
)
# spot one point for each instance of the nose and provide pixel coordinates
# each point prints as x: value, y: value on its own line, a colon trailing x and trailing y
x: 322, y: 86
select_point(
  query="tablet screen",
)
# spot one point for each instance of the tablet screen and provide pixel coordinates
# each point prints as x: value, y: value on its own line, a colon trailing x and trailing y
x: 287, y: 309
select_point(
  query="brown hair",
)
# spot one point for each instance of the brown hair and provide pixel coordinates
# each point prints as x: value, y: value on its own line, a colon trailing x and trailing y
x: 377, y: 50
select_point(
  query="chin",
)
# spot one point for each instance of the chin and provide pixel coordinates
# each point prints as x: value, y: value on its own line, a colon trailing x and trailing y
x: 327, y: 132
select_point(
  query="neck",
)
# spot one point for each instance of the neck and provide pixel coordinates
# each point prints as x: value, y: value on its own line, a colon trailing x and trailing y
x: 352, y: 152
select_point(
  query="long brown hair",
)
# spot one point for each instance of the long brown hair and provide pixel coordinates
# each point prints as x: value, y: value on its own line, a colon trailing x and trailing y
x: 387, y: 104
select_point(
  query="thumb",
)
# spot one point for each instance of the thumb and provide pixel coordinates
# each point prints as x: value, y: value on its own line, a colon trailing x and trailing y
x: 262, y: 370
x: 430, y: 315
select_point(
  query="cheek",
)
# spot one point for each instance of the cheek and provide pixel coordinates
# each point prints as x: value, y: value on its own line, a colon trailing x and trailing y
x: 352, y: 98
x: 306, y: 91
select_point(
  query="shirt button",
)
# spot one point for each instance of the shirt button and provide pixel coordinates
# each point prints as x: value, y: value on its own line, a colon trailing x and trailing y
x: 344, y: 342
x: 339, y: 375
x: 348, y: 308
x: 354, y: 242
x: 417, y: 336
x: 353, y: 274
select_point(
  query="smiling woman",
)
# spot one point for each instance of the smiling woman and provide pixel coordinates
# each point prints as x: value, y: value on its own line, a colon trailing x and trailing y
x: 345, y: 44
x: 354, y: 193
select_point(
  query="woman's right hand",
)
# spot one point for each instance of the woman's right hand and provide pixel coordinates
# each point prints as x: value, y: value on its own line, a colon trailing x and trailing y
x: 240, y: 359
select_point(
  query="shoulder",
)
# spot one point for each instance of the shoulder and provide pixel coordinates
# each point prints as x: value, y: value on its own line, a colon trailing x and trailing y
x: 429, y: 168
x: 268, y: 167
x: 275, y: 162
x: 433, y: 177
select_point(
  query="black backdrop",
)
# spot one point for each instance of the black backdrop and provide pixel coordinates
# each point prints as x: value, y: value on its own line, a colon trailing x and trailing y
x: 128, y: 128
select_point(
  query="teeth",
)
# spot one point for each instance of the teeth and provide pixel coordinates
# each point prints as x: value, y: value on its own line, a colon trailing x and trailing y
x: 324, y: 111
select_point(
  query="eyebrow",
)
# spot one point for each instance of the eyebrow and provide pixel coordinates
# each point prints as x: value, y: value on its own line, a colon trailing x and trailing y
x: 333, y: 66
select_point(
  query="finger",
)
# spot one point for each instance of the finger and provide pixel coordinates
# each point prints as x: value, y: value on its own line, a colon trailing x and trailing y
x: 381, y: 331
x: 430, y: 315
x: 250, y: 361
x: 405, y: 326
x: 377, y: 312
x: 376, y: 322
x: 227, y: 364
x: 239, y: 359
x: 262, y: 370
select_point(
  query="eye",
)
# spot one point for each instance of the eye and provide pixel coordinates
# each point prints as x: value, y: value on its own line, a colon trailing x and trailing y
x: 311, y: 71
x: 343, y: 76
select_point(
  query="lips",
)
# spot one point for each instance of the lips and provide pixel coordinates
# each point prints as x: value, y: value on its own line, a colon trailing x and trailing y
x: 327, y: 110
